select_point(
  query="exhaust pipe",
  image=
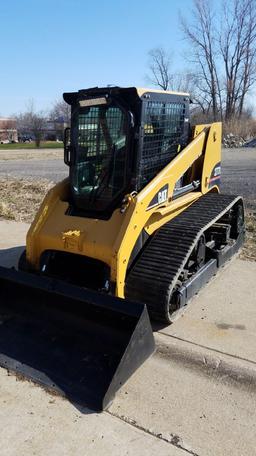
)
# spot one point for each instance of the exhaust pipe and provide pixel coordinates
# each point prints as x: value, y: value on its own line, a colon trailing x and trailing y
x: 83, y: 344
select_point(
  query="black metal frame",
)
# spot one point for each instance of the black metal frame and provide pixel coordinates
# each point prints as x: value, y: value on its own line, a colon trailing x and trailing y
x: 118, y: 198
x: 127, y: 100
x: 131, y: 102
x: 166, y: 100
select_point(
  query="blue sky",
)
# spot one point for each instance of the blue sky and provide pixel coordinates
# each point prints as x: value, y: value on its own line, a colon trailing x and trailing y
x: 52, y: 46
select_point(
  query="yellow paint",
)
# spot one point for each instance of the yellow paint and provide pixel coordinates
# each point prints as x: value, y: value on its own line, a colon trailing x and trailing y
x: 112, y: 241
x: 141, y: 91
x: 70, y: 233
x: 213, y: 154
x: 165, y: 214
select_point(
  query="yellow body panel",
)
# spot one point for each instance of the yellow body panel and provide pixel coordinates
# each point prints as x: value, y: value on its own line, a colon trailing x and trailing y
x: 213, y: 155
x: 54, y: 230
x: 112, y: 241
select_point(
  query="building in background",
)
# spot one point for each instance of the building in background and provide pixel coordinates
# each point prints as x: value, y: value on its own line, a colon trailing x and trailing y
x: 17, y: 130
x: 54, y: 129
x: 8, y: 130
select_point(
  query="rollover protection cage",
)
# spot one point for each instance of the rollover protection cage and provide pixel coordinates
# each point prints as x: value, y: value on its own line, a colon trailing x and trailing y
x: 165, y: 132
x: 83, y: 344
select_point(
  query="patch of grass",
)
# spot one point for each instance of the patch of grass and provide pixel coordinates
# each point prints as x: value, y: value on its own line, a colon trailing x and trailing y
x: 32, y: 145
x: 20, y: 198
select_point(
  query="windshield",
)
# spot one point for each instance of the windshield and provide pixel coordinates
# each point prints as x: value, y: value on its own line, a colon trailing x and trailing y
x: 100, y: 167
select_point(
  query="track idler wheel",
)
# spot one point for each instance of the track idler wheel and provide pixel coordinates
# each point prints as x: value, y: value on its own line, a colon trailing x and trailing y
x: 200, y: 252
x: 237, y: 223
x: 197, y: 257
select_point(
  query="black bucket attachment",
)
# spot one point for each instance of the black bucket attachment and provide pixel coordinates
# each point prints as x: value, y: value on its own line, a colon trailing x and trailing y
x: 81, y: 343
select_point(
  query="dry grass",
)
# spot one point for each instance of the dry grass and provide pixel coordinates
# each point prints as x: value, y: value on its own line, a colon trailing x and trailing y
x: 21, y: 198
x: 249, y: 249
x: 243, y: 128
x: 34, y: 154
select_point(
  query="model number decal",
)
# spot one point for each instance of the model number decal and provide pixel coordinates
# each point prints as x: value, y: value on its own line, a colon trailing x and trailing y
x: 159, y: 198
x: 217, y: 171
x: 215, y: 176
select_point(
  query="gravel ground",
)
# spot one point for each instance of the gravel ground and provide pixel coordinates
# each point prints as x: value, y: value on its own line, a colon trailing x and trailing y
x: 53, y: 170
x: 239, y: 174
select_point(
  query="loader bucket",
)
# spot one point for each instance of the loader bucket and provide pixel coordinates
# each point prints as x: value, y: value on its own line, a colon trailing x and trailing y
x: 81, y: 343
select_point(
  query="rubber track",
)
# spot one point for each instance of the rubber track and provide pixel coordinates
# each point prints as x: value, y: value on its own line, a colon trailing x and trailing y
x: 154, y: 275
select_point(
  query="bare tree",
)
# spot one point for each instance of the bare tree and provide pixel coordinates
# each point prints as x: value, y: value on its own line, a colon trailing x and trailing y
x: 32, y: 122
x: 183, y: 82
x: 60, y: 116
x: 237, y: 42
x: 224, y: 55
x: 201, y: 35
x: 61, y: 111
x: 160, y: 74
x: 160, y: 68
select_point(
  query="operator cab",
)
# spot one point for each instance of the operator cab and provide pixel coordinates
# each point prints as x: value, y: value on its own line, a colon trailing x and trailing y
x: 118, y: 141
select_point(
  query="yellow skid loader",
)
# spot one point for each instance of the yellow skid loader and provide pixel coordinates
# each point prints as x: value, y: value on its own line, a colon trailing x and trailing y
x: 138, y: 227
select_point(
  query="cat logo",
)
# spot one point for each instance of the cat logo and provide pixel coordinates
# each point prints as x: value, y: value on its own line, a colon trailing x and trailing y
x: 159, y: 198
x: 162, y: 196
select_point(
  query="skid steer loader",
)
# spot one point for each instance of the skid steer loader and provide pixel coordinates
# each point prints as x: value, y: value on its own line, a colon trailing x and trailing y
x: 138, y: 227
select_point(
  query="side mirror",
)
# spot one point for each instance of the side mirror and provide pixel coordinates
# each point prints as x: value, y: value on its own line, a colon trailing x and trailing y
x: 67, y: 146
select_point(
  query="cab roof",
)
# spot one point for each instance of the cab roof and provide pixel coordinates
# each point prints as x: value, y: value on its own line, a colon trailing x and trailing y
x: 72, y: 97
